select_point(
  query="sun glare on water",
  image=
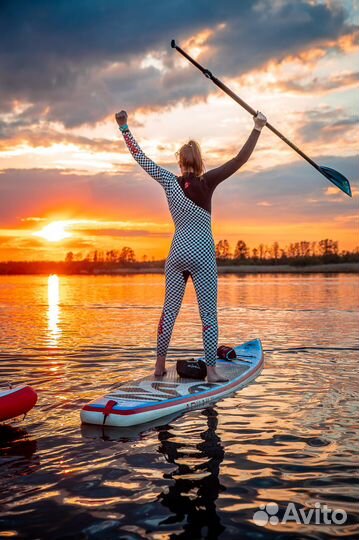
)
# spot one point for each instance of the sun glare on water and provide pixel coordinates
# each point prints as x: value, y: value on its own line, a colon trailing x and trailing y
x: 54, y: 232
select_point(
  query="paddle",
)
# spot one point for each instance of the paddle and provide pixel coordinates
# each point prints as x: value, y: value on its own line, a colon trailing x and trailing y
x: 331, y: 174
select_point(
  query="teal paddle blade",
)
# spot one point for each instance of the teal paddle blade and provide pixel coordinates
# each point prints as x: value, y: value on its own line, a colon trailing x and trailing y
x: 337, y: 178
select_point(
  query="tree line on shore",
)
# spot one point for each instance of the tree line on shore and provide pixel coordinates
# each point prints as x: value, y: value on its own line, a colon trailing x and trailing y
x: 302, y: 253
x: 263, y: 254
x: 241, y: 252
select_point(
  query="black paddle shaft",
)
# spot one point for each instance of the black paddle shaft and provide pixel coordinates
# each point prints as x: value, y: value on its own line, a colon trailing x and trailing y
x: 334, y: 176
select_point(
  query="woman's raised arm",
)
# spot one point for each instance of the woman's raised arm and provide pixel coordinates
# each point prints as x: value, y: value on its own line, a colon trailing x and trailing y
x: 164, y: 177
x: 216, y: 176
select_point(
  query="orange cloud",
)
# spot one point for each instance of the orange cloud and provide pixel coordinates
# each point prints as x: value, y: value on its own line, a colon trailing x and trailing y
x: 347, y: 43
x: 316, y: 85
x: 46, y: 137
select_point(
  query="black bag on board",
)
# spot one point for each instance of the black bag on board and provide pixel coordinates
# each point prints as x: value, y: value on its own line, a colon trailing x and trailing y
x: 226, y: 353
x: 197, y: 369
x: 191, y: 369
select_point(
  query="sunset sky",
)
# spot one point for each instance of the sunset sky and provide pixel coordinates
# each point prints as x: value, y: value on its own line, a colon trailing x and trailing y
x: 67, y: 182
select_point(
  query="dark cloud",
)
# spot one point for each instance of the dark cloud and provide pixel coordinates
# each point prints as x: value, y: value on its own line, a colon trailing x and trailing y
x: 274, y: 30
x: 296, y: 192
x: 52, y: 192
x: 349, y: 121
x: 317, y: 85
x: 326, y: 124
x: 289, y: 188
x: 43, y: 136
x: 56, y: 55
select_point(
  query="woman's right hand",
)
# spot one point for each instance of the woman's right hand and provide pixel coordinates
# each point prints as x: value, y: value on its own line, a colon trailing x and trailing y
x: 121, y: 118
x: 259, y: 120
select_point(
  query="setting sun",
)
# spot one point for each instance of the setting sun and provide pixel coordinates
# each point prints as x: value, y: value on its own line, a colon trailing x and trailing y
x: 54, y: 232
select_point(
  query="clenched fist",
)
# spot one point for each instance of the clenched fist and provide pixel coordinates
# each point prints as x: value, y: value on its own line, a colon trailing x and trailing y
x: 121, y: 118
x: 259, y: 120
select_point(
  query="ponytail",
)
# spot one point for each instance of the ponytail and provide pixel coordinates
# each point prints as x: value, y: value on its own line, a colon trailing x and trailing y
x: 190, y: 157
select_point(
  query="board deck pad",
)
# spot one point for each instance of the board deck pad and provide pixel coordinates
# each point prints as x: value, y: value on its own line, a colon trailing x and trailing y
x: 152, y: 397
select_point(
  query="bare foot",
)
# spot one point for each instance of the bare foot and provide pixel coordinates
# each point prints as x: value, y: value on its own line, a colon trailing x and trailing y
x: 214, y: 376
x: 159, y: 373
x: 160, y: 369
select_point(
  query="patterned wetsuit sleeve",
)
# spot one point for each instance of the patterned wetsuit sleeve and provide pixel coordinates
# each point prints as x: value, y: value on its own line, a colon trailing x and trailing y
x: 164, y: 177
x: 216, y: 176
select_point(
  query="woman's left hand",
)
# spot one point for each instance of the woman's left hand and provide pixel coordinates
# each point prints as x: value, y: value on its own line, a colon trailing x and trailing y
x: 121, y: 118
x: 259, y: 120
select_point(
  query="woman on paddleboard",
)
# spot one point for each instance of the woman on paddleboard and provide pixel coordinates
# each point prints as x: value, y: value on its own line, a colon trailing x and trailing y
x: 192, y: 250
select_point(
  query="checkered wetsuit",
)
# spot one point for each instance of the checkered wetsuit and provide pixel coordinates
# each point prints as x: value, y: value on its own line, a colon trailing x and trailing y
x: 192, y: 251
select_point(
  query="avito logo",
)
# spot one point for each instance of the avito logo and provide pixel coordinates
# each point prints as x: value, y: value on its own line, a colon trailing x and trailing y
x: 319, y: 515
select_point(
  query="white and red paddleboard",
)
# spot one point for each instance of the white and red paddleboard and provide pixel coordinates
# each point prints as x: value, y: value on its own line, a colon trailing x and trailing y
x: 15, y: 401
x: 152, y: 397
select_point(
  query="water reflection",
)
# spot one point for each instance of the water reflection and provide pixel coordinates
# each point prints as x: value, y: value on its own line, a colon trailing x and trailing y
x: 54, y: 310
x: 16, y: 443
x: 192, y: 488
x: 291, y: 436
x: 192, y: 496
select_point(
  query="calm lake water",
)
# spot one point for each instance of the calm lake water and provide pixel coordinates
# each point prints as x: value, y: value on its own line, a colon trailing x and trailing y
x: 289, y: 437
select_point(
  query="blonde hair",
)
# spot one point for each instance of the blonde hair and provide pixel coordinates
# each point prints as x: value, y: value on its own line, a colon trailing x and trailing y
x: 189, y: 156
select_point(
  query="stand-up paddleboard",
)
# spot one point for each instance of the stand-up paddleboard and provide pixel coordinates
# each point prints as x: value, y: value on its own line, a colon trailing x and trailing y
x: 152, y: 397
x: 16, y: 400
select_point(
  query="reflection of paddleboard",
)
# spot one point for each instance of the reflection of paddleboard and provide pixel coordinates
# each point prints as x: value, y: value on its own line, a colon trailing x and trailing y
x: 130, y: 433
x: 150, y: 398
x: 16, y: 401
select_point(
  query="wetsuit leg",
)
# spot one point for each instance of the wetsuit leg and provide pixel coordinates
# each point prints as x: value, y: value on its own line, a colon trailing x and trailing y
x: 205, y: 283
x: 175, y: 288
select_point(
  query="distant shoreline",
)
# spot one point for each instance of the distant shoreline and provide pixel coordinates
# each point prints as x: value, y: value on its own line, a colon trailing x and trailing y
x: 325, y: 268
x: 349, y: 267
x: 352, y: 268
